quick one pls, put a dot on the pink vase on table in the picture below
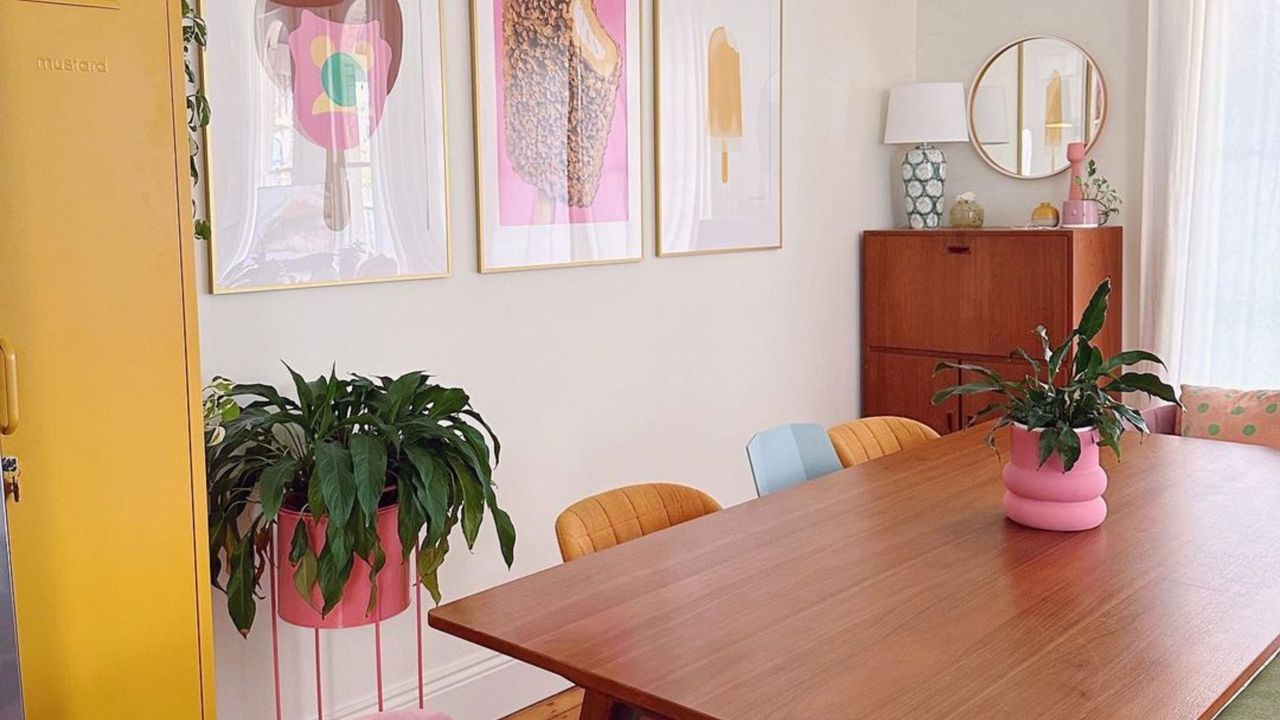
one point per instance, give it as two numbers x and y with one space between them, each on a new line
1048 498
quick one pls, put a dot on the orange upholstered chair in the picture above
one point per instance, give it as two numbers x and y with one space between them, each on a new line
865 440
602 521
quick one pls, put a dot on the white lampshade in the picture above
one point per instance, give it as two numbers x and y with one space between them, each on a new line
926 113
991 115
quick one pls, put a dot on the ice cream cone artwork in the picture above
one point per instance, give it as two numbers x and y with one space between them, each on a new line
339 92
561 73
724 95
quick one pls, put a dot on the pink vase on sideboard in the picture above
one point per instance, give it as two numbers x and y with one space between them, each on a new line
1047 498
393 580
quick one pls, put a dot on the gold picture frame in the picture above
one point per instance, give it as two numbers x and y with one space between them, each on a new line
208 195
662 244
485 80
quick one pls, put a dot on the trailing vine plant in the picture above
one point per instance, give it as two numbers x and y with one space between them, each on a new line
195 37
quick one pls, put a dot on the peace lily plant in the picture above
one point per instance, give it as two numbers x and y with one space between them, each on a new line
341 451
1058 398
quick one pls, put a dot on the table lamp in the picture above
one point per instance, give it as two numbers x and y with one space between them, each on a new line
922 114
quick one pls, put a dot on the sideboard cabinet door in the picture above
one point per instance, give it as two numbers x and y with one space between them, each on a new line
903 385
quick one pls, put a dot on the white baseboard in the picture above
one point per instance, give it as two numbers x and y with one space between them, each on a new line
485 686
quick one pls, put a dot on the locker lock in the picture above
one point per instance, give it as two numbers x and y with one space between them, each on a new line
10 472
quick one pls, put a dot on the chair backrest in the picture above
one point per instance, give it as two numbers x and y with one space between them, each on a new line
614 517
867 439
788 455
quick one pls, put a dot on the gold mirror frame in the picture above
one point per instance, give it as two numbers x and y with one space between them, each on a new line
977 82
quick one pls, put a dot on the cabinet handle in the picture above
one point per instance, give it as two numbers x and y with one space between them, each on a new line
950 422
9 381
959 250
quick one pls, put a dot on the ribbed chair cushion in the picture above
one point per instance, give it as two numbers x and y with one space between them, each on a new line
602 521
865 440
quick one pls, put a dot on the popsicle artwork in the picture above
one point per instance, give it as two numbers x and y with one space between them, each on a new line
724 94
561 72
341 79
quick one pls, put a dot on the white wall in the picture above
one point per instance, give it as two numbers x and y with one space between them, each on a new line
954 39
598 377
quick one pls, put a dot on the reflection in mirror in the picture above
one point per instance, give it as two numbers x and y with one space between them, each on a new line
1033 98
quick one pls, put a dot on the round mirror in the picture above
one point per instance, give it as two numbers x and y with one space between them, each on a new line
1034 97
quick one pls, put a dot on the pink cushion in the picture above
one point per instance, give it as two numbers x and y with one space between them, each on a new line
407 715
1243 416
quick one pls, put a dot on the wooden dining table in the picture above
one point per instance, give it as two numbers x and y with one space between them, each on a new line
898 589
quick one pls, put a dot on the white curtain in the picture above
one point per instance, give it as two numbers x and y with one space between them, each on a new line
1211 226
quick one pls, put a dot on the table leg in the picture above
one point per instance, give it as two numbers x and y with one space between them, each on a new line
597 706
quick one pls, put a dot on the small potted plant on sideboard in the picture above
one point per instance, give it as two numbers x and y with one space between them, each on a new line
1060 415
355 474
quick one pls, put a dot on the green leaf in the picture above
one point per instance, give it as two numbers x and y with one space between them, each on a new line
410 521
506 529
1043 333
990 375
979 416
315 499
369 463
300 544
306 398
1095 314
1145 383
333 571
472 499
1133 417
450 401
272 485
337 481
1048 444
1129 357
430 558
433 491
497 445
241 603
968 389
1035 366
1068 446
1058 356
1088 361
377 560
401 390
305 574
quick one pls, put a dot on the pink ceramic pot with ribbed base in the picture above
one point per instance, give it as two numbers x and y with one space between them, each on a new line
1048 498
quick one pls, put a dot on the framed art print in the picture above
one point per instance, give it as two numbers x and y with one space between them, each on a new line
328 162
718 89
558 132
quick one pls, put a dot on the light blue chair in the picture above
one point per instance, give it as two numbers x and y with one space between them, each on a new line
788 455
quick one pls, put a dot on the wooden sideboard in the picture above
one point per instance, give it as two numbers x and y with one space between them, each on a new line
972 296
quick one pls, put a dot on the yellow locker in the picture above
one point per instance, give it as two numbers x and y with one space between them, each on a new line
97 301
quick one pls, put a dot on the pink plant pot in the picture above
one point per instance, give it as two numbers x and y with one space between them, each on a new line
1048 498
393 580
1080 214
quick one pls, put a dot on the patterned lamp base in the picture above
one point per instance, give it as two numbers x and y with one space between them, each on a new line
924 174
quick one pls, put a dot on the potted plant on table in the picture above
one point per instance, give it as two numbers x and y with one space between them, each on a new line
357 473
1061 414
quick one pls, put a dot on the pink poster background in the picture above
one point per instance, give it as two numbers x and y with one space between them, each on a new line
516 198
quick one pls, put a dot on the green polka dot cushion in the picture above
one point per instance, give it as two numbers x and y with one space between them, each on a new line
1241 416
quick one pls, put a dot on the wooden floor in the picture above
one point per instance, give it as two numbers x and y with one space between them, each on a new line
564 706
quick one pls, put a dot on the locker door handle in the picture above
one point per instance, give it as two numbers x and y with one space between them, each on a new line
9 383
